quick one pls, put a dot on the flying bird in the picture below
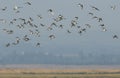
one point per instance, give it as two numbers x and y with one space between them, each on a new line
100 19
31 19
51 11
16 7
88 25
49 28
51 36
95 8
73 23
28 3
17 41
113 7
95 17
39 16
54 24
38 44
42 25
61 26
115 37
80 32
59 18
78 26
76 18
8 31
68 31
83 29
102 25
7 45
26 38
104 29
80 5
3 20
3 9
90 13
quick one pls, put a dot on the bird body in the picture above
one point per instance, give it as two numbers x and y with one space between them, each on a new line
28 3
51 11
80 5
3 9
51 36
115 37
95 8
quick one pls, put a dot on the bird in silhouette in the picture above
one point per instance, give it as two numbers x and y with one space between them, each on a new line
7 45
76 18
28 3
80 32
38 44
59 18
51 11
78 26
39 16
102 25
61 26
17 41
31 32
42 25
88 25
113 7
54 24
80 5
73 23
31 19
35 26
22 19
51 36
16 7
3 9
83 29
95 8
100 19
68 31
90 13
49 28
104 29
95 17
115 37
30 23
8 31
3 20
25 38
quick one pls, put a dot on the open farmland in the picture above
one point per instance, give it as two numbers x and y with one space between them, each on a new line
58 73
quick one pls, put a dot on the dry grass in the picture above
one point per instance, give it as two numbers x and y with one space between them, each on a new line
59 73
17 71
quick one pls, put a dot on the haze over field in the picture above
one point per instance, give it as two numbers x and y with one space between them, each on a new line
74 32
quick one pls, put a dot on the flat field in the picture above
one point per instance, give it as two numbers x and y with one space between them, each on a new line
53 73
58 73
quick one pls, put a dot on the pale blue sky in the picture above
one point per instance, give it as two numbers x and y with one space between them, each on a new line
93 40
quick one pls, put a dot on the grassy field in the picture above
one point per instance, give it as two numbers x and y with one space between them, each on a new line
59 73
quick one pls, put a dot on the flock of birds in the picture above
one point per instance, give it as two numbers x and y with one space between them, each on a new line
34 29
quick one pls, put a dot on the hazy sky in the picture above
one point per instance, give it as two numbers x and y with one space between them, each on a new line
93 40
